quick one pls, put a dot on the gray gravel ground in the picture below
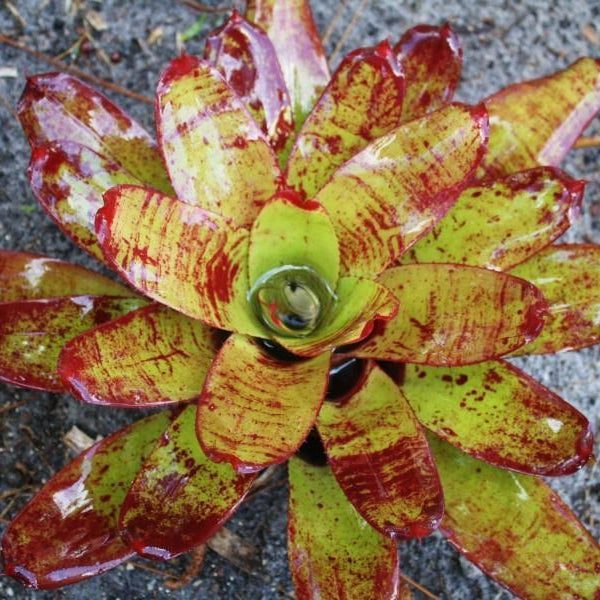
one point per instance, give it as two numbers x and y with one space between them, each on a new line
504 41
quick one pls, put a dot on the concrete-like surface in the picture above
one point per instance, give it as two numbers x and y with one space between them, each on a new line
504 41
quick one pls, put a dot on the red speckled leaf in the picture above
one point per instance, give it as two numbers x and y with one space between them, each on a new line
68 180
33 332
245 56
393 192
498 225
167 363
216 154
516 529
25 276
381 459
181 255
291 28
455 315
69 532
362 102
569 277
431 58
359 303
334 554
537 122
57 106
495 412
256 410
180 497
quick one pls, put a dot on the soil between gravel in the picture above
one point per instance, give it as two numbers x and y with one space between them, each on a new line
503 42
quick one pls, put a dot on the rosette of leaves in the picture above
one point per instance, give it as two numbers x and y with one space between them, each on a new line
371 249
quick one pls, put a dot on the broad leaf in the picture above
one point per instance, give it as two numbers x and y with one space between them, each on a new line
180 497
495 412
57 106
256 410
537 122
333 552
69 179
380 457
362 102
25 276
216 154
291 28
455 315
569 277
501 224
516 529
33 332
431 58
358 303
291 232
181 255
245 56
167 363
69 532
393 192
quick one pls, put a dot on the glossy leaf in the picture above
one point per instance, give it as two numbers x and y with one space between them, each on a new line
26 276
359 303
291 232
256 410
389 195
569 277
380 457
33 332
431 58
333 552
291 28
537 122
57 106
498 225
455 315
69 532
499 414
516 529
362 102
68 180
245 56
181 255
167 363
179 498
216 154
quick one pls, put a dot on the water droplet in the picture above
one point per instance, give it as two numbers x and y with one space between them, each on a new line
291 300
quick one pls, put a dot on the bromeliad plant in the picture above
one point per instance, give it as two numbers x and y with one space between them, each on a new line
373 250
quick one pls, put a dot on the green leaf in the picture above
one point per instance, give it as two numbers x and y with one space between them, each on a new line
537 122
455 315
256 410
569 277
180 255
362 102
516 529
333 552
501 224
68 531
179 498
216 154
495 412
393 192
25 276
381 460
167 363
33 332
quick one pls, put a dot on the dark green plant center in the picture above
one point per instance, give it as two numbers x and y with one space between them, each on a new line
291 300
